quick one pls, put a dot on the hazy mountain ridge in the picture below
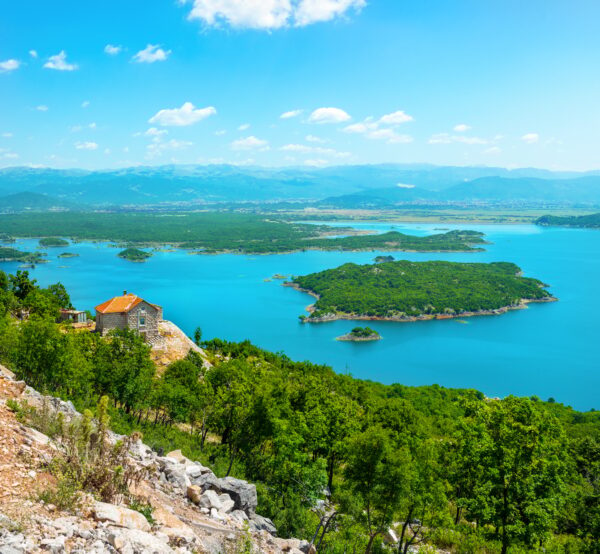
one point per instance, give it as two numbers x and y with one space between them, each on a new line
349 186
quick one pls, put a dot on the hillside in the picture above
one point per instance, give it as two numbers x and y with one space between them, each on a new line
34 202
591 221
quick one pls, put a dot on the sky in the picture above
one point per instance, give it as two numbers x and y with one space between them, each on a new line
300 82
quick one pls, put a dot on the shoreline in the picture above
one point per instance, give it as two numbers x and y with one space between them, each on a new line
349 338
522 305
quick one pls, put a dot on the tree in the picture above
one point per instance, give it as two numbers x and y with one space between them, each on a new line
21 285
198 336
518 451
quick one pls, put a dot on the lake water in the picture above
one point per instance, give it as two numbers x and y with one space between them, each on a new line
550 350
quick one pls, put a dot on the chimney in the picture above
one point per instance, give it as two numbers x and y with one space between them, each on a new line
124 293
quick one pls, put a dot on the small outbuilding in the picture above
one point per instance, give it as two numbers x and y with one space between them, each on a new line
129 312
74 316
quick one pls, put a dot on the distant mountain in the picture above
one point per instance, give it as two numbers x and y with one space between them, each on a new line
582 191
34 202
197 185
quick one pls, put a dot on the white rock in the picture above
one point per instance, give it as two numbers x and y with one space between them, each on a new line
138 542
210 499
121 516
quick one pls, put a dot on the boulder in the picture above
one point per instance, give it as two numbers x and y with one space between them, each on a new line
227 504
241 492
210 499
260 523
196 470
177 476
137 542
389 537
207 481
119 515
194 493
239 515
177 456
180 536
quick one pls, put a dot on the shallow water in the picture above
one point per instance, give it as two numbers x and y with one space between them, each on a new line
550 350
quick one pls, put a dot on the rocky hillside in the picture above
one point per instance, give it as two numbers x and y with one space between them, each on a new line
187 509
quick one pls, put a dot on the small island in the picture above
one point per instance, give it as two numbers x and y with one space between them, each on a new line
360 334
134 255
279 276
14 255
413 291
68 255
383 259
52 242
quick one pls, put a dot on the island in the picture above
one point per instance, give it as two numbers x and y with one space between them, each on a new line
205 233
412 291
51 242
134 255
591 221
14 255
360 334
68 255
381 259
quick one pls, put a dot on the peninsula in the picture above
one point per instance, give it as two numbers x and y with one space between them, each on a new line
14 255
591 221
412 291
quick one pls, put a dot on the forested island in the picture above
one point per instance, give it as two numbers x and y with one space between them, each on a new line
360 334
409 291
53 242
134 255
14 255
68 255
591 221
218 232
445 468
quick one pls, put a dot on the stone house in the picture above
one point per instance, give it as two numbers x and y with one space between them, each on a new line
129 312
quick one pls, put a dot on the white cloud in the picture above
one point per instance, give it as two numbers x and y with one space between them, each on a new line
59 62
181 117
395 118
41 108
313 138
75 128
269 14
87 145
360 128
316 163
244 127
446 138
152 53
220 132
85 103
107 151
92 125
389 135
492 150
9 65
154 132
33 54
290 114
112 50
328 115
530 138
250 143
461 128
7 135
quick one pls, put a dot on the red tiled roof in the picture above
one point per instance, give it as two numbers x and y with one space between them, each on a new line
119 304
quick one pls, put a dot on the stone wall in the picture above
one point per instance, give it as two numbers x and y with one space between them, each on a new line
152 316
107 322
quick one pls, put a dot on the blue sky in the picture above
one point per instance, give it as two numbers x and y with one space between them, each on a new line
487 82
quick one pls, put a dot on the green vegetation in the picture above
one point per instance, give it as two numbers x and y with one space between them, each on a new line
52 242
216 232
360 334
134 255
380 259
447 468
591 221
14 255
406 289
68 255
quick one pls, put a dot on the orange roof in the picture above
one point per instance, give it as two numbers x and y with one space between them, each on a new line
119 304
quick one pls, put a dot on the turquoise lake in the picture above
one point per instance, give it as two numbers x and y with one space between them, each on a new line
548 350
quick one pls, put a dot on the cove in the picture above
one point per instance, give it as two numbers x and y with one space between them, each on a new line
548 350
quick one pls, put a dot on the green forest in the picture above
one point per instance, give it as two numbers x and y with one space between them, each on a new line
214 232
134 255
408 289
590 221
52 242
8 254
336 460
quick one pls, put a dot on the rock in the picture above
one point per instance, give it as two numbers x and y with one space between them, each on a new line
260 523
196 470
390 537
55 545
141 451
135 541
227 504
239 515
194 492
177 477
180 536
177 456
208 481
241 492
121 516
210 499
215 514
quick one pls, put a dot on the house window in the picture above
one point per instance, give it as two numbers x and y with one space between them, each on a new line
142 318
